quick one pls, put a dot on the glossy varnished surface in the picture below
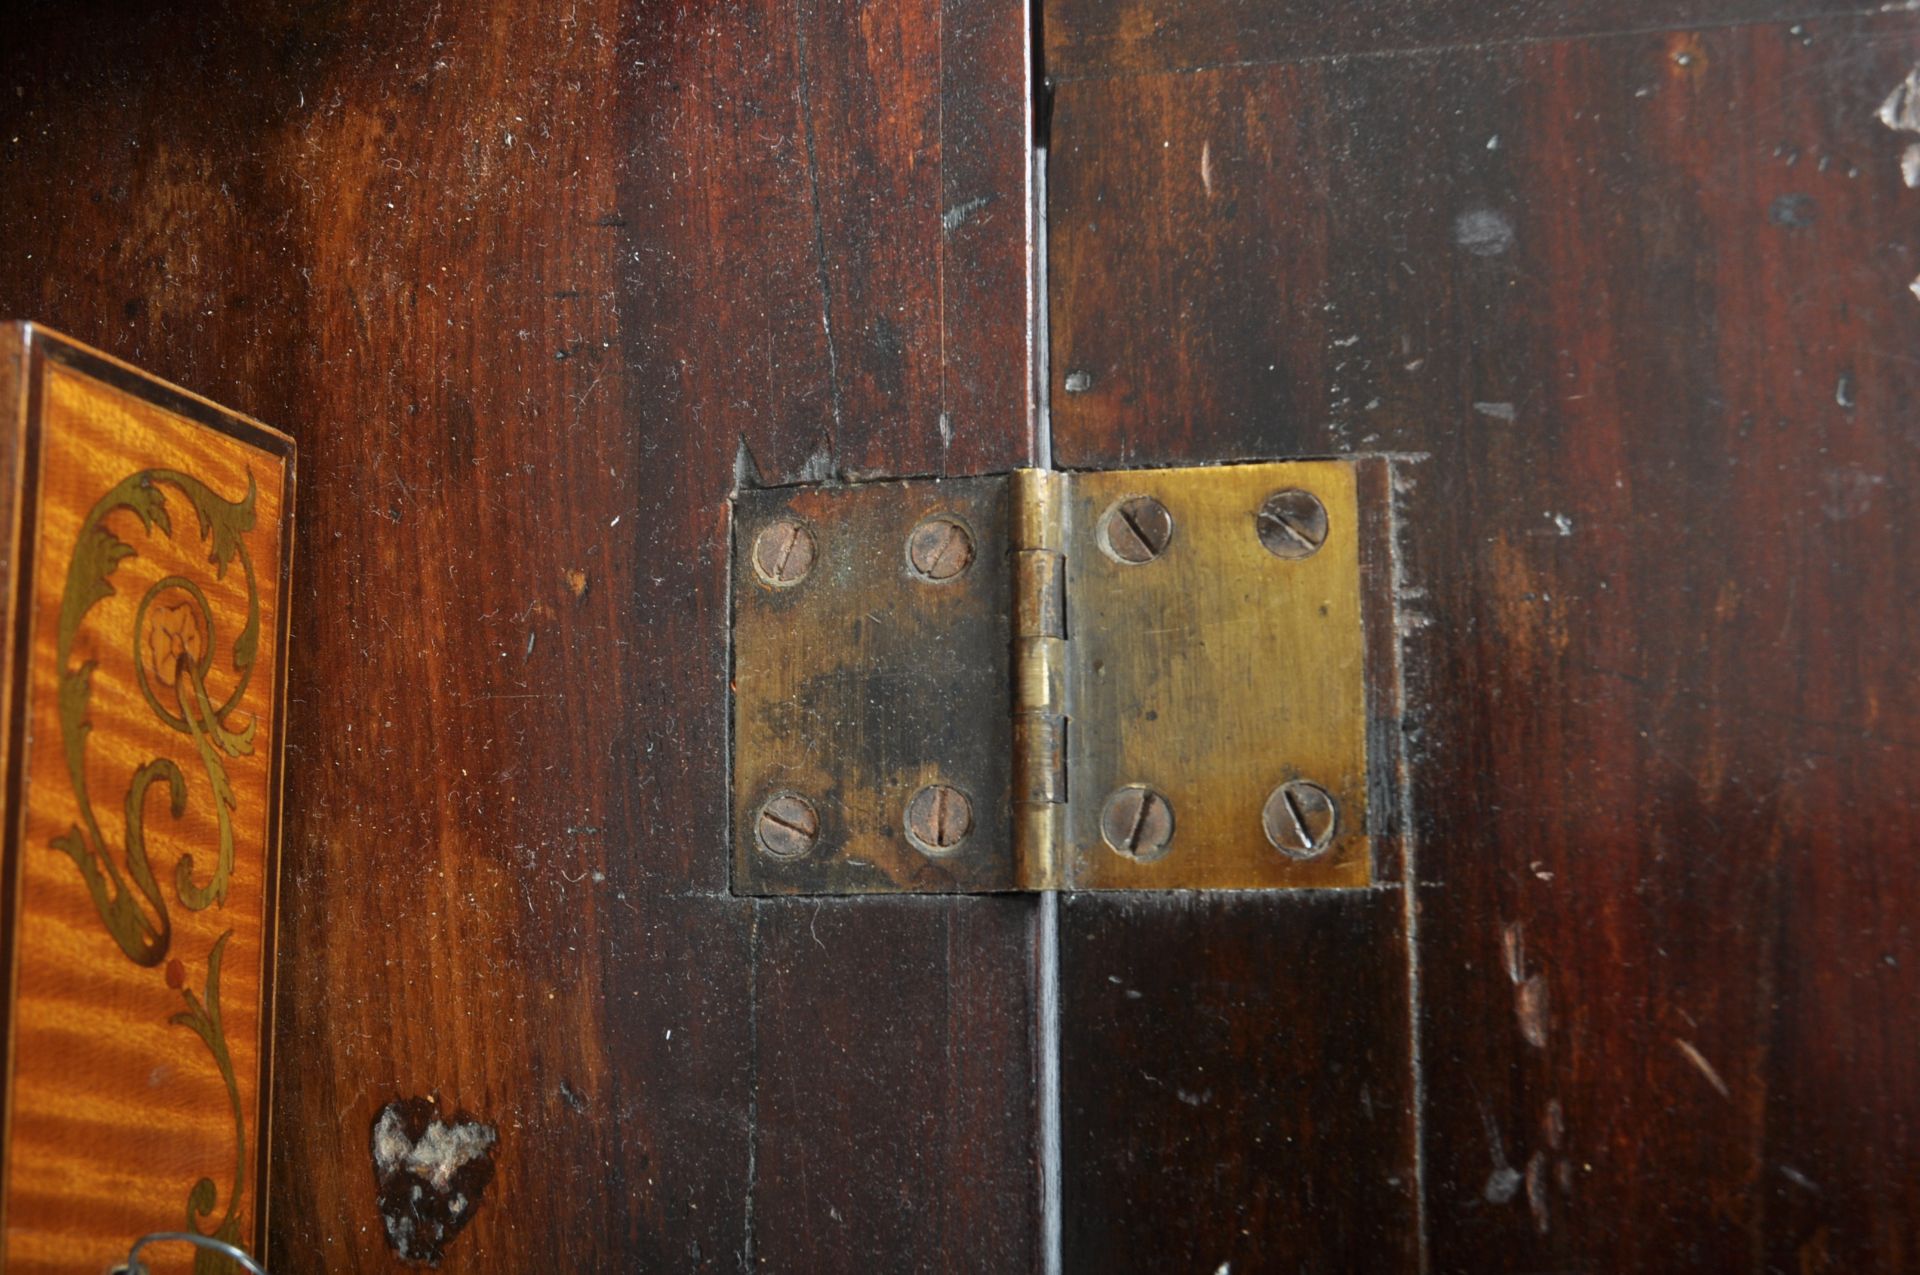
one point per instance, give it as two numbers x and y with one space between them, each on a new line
1235 1083
1636 309
1098 38
142 820
532 284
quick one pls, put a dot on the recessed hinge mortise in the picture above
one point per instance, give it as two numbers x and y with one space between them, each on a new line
1150 679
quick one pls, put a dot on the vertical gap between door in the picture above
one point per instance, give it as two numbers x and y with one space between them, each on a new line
1410 898
1047 941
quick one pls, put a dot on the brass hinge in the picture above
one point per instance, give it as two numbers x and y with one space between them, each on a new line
1146 679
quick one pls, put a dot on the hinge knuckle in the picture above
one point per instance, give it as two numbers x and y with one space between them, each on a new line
1040 677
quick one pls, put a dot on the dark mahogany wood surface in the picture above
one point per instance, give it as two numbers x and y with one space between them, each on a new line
1107 37
1236 1091
1636 310
531 284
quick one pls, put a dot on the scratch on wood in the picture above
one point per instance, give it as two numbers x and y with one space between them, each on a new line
1695 1057
1537 1190
957 216
1513 947
1530 1007
1530 990
1503 1183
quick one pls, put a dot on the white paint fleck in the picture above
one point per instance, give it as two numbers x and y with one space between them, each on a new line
1483 232
1901 109
1079 382
390 1144
1787 1171
1206 165
1498 411
1562 524
444 1148
1502 1185
819 466
1910 166
440 1153
957 216
1850 492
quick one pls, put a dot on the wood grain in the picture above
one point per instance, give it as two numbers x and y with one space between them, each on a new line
1633 308
1235 1083
13 411
1091 38
136 1016
886 1116
532 284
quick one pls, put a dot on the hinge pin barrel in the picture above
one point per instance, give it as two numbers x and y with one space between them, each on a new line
1040 677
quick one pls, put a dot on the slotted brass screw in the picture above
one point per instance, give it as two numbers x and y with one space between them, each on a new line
1137 822
1292 524
783 552
787 826
939 817
1301 819
1137 529
939 549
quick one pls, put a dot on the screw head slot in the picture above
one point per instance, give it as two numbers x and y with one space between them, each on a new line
1292 524
783 553
1301 819
1137 822
939 818
1136 530
939 549
786 827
